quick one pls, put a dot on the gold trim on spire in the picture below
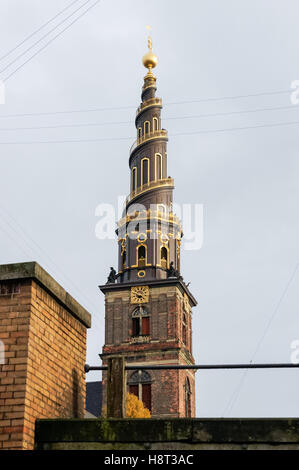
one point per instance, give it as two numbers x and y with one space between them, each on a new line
149 60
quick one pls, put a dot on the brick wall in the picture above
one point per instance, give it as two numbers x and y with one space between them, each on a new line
164 346
45 348
14 332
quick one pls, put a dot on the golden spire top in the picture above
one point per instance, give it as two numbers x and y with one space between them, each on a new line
149 60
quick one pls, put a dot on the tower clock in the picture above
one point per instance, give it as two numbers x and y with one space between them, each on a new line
148 307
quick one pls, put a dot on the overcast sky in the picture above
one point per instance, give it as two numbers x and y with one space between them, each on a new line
247 180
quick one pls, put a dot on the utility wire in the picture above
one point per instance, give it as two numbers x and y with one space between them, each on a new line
51 40
202 100
37 30
43 37
196 116
114 139
110 123
118 108
237 391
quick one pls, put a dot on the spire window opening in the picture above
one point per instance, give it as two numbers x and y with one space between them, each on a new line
147 127
164 257
145 171
161 210
141 255
139 133
158 166
134 179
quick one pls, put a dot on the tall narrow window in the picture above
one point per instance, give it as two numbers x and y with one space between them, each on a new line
158 166
135 326
162 209
134 179
140 322
141 255
147 396
147 127
145 326
155 124
140 386
139 133
164 257
145 170
187 398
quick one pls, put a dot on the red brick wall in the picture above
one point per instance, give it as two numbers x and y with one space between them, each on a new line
165 345
43 375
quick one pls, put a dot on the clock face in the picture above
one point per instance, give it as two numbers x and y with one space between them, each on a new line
139 294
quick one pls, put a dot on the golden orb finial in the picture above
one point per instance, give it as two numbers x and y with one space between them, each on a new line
149 60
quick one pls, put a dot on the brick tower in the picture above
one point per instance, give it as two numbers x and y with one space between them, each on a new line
148 306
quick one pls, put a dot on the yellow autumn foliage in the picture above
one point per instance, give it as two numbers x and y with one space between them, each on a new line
135 408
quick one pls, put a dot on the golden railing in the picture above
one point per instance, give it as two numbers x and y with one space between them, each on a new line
149 102
153 214
152 184
148 136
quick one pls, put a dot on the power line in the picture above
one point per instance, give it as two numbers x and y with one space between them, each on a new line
118 108
237 391
114 139
202 100
43 37
37 30
55 37
196 116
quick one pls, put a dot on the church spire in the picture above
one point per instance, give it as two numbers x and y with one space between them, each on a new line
148 315
149 242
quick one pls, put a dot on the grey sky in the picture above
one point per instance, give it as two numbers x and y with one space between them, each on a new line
247 180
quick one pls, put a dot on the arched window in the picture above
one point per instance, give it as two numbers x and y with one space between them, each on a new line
141 256
139 133
164 257
140 322
158 166
155 124
147 127
187 398
134 179
162 209
140 384
184 330
145 171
